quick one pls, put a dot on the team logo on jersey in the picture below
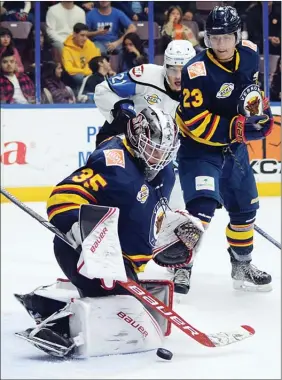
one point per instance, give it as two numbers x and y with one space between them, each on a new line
152 99
157 220
138 71
250 45
143 194
250 101
225 90
197 69
114 157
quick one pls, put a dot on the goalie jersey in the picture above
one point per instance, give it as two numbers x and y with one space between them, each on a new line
143 84
112 177
211 91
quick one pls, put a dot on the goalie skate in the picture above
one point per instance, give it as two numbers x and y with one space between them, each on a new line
181 280
48 341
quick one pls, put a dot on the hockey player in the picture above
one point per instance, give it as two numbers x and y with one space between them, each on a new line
121 96
131 175
221 109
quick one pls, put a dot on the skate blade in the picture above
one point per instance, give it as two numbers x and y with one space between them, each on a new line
52 349
250 287
178 298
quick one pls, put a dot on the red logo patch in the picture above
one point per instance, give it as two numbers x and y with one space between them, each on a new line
138 71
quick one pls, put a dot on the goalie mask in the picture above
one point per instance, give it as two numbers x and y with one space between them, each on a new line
153 135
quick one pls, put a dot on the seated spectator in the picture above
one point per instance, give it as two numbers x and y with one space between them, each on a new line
173 29
16 11
160 11
14 87
190 13
29 52
6 40
106 27
101 69
51 79
60 20
78 50
85 5
135 10
275 88
132 53
254 26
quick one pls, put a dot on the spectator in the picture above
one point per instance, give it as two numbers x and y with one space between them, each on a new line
60 20
275 88
85 5
29 52
51 79
6 40
101 69
78 50
190 13
254 26
14 87
135 10
160 11
16 11
106 24
132 53
174 29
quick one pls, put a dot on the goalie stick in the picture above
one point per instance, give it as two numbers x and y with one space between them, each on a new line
219 339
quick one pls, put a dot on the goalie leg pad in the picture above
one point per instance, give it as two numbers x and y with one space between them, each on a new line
113 325
163 290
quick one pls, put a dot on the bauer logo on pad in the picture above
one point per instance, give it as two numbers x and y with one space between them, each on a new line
114 157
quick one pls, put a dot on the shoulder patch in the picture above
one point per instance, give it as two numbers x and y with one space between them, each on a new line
197 69
114 157
250 45
138 71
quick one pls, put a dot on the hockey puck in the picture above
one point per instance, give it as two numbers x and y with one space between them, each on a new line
164 354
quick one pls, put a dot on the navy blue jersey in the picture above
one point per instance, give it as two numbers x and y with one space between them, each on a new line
111 177
210 94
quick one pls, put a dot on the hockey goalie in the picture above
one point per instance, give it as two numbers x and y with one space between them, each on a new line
115 213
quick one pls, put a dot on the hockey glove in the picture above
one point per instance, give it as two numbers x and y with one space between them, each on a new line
74 235
250 128
124 110
178 239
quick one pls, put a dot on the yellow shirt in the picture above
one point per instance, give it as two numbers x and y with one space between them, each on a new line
75 59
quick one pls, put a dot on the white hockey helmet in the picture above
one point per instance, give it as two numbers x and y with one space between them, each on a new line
153 135
178 53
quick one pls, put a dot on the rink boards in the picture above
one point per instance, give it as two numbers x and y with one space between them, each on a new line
42 145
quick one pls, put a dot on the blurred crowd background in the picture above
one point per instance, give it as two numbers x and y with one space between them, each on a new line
81 43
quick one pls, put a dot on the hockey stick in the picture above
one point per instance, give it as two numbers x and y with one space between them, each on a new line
210 340
267 237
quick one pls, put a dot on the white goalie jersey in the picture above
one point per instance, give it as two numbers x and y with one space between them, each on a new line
143 84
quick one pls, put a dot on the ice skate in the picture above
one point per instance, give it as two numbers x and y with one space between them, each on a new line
247 277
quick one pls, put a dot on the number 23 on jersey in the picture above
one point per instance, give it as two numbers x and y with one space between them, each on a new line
193 98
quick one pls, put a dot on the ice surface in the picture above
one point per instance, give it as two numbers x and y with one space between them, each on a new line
211 306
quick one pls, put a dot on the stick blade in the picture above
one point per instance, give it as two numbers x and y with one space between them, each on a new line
225 338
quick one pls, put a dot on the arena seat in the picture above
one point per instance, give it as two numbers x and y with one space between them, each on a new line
20 30
193 26
143 31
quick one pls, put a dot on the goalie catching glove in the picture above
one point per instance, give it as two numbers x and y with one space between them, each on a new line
178 239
